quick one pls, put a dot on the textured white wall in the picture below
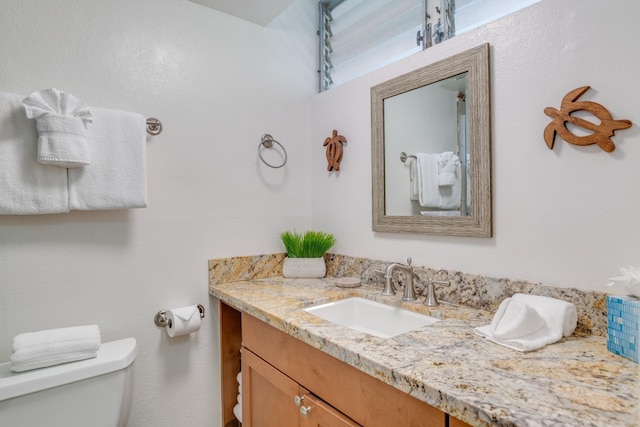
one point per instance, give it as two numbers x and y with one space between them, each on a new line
217 83
566 217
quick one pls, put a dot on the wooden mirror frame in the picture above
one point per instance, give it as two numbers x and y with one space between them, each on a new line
479 223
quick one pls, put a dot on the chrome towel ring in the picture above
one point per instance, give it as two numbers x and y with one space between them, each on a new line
267 141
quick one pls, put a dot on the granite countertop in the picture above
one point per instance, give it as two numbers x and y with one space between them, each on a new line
575 382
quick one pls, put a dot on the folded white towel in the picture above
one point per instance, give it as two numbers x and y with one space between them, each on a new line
237 411
427 167
28 187
414 188
560 319
448 169
35 350
116 177
432 195
61 120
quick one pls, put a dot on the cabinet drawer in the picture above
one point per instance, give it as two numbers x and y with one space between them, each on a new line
365 399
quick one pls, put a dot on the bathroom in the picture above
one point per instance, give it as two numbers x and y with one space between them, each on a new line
562 217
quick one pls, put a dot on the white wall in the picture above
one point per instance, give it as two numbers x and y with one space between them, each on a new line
566 217
217 83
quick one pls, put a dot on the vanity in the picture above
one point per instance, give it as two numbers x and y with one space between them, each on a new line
311 371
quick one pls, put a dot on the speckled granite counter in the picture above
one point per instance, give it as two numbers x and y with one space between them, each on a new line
575 382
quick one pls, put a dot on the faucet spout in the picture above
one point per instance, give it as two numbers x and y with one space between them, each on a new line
409 289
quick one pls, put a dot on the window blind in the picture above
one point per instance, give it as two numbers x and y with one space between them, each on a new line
358 36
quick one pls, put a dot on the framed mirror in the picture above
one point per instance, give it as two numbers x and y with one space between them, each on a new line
431 149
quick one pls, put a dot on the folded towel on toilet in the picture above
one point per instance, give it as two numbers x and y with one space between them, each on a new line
61 121
33 350
529 322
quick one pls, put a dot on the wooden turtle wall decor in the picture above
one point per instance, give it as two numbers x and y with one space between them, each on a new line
334 145
602 132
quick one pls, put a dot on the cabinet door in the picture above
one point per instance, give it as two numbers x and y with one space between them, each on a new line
316 413
454 422
268 396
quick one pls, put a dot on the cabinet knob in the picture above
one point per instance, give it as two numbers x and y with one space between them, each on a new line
298 400
305 410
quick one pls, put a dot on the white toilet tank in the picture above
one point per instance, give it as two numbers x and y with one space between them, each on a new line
93 392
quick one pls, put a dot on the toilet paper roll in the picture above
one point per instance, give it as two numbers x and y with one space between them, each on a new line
183 321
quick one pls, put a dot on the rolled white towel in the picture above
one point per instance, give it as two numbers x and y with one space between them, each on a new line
35 350
515 319
561 316
61 121
560 319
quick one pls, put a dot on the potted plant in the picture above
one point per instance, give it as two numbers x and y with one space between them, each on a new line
305 253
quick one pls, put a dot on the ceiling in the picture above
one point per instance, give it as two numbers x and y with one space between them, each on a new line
260 12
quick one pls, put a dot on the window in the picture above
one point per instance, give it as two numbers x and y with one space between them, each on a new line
359 36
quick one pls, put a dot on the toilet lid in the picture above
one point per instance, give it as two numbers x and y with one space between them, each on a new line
112 356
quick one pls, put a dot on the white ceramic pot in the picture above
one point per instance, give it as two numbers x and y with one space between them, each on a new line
311 268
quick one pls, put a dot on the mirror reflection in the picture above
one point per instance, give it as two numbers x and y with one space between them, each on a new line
426 159
431 155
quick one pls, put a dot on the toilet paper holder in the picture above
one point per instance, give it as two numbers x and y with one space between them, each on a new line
161 317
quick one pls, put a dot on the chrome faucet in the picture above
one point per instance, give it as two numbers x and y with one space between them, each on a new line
409 289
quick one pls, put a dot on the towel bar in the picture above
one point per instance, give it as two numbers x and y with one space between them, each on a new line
154 126
404 156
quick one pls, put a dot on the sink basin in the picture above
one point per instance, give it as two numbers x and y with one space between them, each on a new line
371 317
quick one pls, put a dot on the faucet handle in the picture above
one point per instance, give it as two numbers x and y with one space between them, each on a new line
431 300
409 261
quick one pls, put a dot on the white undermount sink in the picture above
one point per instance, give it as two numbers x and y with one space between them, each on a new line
371 317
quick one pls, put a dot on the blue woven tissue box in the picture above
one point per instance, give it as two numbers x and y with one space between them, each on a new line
623 316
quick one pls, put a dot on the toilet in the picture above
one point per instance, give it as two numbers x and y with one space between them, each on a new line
94 392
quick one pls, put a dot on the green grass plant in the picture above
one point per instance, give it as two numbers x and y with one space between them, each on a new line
312 244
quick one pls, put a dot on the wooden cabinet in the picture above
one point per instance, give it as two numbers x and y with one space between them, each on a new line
277 367
454 422
361 397
272 399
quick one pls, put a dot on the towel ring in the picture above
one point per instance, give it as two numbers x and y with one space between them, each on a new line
267 142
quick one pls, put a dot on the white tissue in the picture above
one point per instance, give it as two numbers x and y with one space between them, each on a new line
183 321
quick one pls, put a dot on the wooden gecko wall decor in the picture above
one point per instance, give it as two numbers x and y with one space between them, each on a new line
602 132
334 145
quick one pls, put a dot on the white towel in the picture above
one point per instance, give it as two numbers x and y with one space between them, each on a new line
61 121
26 186
414 188
116 177
427 166
35 350
432 195
515 319
560 319
448 169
